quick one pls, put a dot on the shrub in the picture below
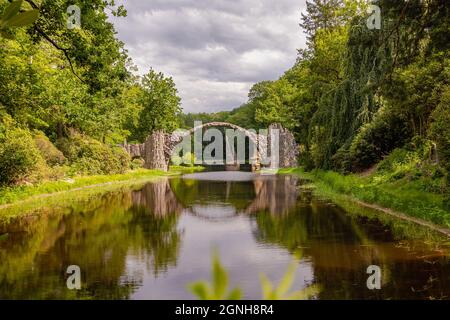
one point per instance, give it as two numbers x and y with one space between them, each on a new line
187 160
123 160
414 163
20 160
137 163
378 138
305 159
391 162
341 161
440 130
88 156
176 160
317 149
440 133
49 152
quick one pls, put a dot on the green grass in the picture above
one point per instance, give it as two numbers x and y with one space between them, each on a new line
9 195
66 200
407 197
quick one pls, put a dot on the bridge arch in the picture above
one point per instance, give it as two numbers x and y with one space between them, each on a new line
159 146
253 136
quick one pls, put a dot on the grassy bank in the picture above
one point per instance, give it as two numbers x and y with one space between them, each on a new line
10 195
401 196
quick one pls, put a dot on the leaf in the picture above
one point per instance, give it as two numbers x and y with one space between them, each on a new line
219 288
200 289
11 10
236 294
220 278
287 281
23 19
267 288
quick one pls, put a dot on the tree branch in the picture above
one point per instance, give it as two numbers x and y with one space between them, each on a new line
53 42
64 50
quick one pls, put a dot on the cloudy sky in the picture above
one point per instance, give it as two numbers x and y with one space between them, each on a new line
215 50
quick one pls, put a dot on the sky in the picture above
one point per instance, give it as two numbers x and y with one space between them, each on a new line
215 50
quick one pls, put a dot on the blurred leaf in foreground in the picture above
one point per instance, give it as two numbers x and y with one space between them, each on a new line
12 18
218 290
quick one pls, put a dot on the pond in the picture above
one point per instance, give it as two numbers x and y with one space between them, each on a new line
150 241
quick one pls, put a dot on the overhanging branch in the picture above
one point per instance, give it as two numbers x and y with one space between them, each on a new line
53 42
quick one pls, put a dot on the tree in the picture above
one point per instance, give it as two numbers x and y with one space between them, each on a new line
326 15
76 83
161 105
273 102
92 52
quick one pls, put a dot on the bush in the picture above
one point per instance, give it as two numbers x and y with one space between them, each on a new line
123 160
137 163
440 129
176 160
49 152
20 159
88 156
393 161
305 159
440 133
341 161
378 138
414 163
187 160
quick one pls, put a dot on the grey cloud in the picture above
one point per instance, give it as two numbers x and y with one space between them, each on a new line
214 50
237 7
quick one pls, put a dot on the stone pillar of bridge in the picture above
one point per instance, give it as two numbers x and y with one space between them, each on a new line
154 156
287 147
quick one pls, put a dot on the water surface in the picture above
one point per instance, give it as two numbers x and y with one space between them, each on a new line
150 242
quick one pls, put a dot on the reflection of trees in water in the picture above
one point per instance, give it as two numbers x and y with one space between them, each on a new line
276 194
99 236
157 198
340 248
140 227
157 241
303 224
154 221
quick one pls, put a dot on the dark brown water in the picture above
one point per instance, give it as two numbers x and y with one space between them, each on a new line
150 242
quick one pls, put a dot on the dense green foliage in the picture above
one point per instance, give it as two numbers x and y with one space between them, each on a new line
161 103
355 98
48 151
19 157
357 94
91 157
69 95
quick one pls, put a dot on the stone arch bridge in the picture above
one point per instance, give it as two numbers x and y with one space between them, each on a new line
159 146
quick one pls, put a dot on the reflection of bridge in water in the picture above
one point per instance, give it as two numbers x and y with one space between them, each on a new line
123 238
273 194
